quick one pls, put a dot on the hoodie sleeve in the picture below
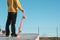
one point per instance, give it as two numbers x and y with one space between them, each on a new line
18 4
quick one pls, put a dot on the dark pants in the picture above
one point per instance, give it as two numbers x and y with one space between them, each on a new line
11 19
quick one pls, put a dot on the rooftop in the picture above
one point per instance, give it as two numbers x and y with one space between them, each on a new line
22 37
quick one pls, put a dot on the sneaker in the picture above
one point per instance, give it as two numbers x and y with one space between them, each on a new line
14 35
7 35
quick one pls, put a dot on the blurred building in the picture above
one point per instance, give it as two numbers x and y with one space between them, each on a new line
2 31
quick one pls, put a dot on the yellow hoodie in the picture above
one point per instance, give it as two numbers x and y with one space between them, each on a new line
13 5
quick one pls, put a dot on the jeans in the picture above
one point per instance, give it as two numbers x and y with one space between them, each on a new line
11 20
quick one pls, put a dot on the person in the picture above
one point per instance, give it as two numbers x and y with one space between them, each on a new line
13 6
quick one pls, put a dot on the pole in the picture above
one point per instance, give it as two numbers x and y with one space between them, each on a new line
57 32
38 30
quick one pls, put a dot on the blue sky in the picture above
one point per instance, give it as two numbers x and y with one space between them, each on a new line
44 14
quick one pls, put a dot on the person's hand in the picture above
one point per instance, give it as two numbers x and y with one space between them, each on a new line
22 11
